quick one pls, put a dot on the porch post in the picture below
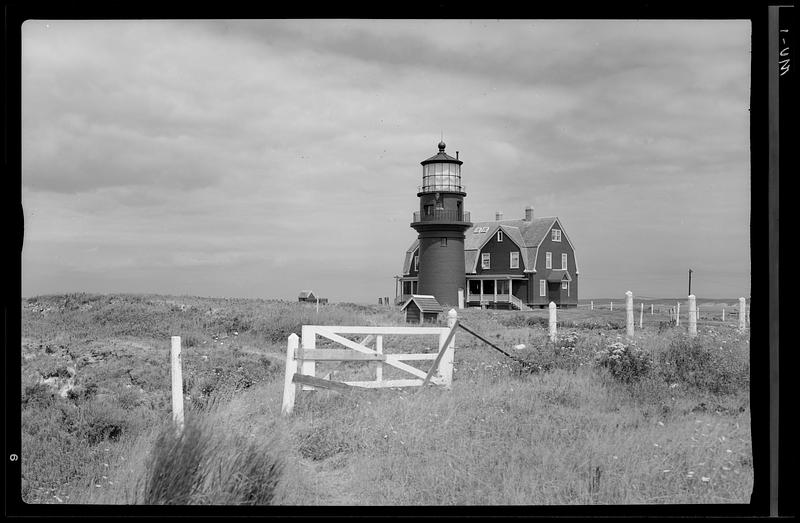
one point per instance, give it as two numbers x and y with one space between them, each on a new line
481 291
495 291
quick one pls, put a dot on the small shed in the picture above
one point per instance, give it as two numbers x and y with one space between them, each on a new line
307 296
420 308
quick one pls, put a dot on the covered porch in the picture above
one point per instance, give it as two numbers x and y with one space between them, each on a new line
501 291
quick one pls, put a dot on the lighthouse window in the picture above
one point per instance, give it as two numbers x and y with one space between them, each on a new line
486 260
443 242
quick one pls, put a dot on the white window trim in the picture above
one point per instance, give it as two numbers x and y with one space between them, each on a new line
564 258
416 263
548 260
542 288
564 285
499 236
555 237
511 260
486 260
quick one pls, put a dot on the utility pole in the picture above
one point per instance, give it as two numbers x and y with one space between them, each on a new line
690 281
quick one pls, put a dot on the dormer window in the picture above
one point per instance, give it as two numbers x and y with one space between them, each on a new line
499 236
556 235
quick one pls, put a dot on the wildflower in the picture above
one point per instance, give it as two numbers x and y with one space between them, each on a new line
666 470
705 479
661 423
725 468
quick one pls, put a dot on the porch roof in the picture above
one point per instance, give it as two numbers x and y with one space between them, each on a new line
558 276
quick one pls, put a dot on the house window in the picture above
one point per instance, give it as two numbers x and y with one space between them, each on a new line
443 242
548 260
416 263
564 261
556 235
564 285
486 260
499 236
542 288
515 260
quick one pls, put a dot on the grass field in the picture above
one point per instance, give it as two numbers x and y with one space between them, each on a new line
595 418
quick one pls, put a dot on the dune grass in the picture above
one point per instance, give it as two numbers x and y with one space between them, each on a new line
564 429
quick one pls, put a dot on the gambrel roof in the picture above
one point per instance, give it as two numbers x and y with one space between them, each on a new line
528 235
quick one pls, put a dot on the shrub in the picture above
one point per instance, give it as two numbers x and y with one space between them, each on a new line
203 466
694 361
626 363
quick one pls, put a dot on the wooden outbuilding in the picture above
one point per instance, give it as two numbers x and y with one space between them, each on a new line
310 297
420 308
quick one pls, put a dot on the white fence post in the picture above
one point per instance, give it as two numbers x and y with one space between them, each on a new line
692 315
552 321
678 314
612 305
742 308
651 309
308 340
289 387
177 383
641 315
723 314
591 305
629 313
379 350
446 365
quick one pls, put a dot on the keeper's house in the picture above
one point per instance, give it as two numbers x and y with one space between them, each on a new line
515 264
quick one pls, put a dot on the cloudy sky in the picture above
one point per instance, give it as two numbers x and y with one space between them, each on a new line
257 158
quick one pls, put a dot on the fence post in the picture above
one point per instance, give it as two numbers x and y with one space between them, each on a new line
629 313
177 383
723 314
678 314
692 315
612 306
446 365
641 315
289 388
379 350
591 305
552 321
651 309
308 340
742 308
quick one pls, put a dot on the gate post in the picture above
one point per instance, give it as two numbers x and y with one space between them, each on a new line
692 316
291 367
308 341
446 365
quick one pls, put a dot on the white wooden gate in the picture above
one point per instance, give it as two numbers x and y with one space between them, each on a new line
302 355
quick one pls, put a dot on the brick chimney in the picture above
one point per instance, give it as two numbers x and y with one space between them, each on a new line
498 215
528 213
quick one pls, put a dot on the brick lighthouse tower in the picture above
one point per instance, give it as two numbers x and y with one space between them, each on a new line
441 222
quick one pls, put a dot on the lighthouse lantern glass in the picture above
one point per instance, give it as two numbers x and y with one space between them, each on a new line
441 177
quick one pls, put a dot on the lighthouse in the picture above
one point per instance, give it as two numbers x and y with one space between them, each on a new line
440 223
